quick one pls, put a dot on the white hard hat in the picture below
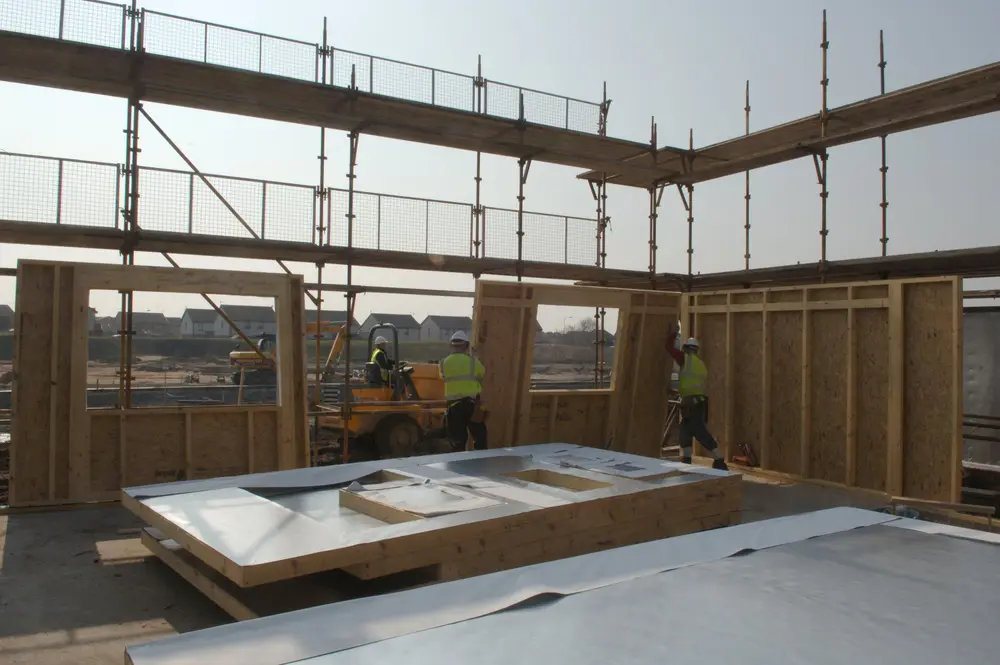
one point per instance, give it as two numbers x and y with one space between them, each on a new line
691 343
381 340
460 338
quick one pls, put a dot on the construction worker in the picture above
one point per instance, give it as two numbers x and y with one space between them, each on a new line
694 400
381 358
463 374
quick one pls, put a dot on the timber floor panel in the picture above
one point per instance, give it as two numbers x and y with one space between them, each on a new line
74 587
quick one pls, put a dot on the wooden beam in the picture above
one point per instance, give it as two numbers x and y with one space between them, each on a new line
957 390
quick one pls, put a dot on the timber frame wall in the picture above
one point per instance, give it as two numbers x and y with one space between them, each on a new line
855 384
63 452
626 417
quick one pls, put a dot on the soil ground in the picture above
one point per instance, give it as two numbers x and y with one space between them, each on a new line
76 586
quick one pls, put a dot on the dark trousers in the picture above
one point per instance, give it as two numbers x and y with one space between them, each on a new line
460 425
694 424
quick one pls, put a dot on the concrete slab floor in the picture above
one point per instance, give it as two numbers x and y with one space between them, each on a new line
76 586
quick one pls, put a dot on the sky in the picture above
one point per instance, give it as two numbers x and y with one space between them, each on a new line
684 63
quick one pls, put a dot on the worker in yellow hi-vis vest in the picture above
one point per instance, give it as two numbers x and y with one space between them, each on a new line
693 389
463 374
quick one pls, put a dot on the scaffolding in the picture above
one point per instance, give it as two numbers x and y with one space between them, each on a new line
170 59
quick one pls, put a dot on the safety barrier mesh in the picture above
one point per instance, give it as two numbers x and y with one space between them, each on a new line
179 37
58 191
63 191
108 24
89 21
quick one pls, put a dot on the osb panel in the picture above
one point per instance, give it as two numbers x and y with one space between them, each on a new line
539 419
265 441
154 448
219 443
830 294
748 340
928 419
29 472
497 347
626 362
648 402
747 298
785 439
872 291
582 419
792 295
828 344
872 391
105 451
712 337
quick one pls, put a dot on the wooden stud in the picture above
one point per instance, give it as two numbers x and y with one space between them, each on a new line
250 441
806 442
53 383
728 449
188 461
957 389
554 406
765 360
851 454
894 438
122 449
79 420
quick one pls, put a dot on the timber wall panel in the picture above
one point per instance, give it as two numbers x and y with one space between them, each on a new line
710 330
872 358
105 451
747 397
927 405
860 382
564 416
828 392
219 443
153 448
785 399
629 416
63 452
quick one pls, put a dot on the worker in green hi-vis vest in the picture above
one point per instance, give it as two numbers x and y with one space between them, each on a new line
693 389
463 374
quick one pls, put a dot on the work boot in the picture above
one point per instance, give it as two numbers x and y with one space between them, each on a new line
685 460
720 464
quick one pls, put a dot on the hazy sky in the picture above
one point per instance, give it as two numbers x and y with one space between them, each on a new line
684 62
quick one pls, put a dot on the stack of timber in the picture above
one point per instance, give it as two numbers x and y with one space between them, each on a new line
445 516
849 384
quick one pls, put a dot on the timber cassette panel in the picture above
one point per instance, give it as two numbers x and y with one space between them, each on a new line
854 384
448 516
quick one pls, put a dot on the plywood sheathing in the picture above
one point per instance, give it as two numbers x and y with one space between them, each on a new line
63 452
861 382
628 416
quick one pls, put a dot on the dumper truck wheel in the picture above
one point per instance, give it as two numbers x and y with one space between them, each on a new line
397 436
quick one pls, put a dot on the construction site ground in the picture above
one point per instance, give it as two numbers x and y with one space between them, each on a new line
76 586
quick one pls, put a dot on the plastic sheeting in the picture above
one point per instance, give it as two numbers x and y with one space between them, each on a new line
328 629
873 595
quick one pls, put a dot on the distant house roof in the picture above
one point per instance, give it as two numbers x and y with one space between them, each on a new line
451 322
401 321
200 315
6 310
249 312
145 318
327 317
